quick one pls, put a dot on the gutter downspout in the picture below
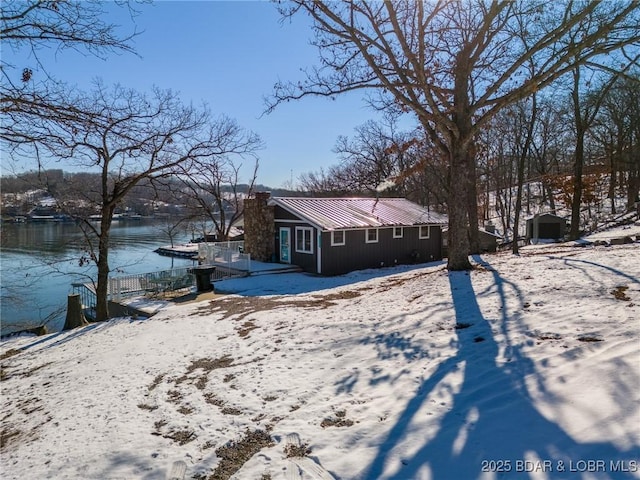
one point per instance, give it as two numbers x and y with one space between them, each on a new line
319 256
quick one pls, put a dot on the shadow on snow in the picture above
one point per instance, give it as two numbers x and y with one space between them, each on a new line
301 283
492 417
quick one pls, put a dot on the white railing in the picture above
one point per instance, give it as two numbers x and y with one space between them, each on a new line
226 254
227 257
155 282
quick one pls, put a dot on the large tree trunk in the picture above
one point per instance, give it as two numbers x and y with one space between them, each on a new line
463 172
458 239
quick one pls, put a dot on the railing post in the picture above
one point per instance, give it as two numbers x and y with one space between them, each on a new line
117 288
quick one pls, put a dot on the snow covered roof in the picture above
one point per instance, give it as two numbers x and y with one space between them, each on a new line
546 215
358 212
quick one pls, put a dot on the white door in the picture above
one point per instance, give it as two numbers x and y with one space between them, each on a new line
285 244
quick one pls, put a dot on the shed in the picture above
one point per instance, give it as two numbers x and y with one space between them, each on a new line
488 238
546 226
332 236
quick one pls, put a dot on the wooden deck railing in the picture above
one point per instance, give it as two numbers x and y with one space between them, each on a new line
229 263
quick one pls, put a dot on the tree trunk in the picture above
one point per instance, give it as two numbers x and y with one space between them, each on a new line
75 316
612 181
102 287
458 239
576 201
462 165
518 207
522 162
552 199
633 191
472 204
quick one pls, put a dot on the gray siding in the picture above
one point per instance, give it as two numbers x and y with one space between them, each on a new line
308 262
356 254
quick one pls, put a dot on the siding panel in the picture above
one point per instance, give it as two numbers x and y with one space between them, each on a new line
356 254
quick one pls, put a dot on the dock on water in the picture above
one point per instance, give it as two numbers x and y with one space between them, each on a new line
185 250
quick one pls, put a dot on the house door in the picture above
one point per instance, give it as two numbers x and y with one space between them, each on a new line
285 244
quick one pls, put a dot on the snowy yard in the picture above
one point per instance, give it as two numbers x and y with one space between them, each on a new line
525 367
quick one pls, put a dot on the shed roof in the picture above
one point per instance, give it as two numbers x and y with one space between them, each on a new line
357 212
546 216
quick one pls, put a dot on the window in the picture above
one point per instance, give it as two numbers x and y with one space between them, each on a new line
397 232
337 238
425 231
304 242
371 235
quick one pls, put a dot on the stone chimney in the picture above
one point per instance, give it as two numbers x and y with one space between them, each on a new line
259 227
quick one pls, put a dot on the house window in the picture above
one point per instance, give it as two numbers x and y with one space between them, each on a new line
425 231
397 232
304 243
372 235
337 238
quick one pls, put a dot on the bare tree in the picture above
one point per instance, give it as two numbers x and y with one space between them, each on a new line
454 65
31 27
61 24
369 159
617 129
382 160
524 140
124 135
213 183
550 146
328 183
586 104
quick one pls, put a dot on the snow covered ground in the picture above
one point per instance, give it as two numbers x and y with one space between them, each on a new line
525 367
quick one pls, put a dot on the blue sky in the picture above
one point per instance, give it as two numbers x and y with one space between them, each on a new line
228 54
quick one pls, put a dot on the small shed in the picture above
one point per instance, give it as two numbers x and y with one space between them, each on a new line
488 238
547 227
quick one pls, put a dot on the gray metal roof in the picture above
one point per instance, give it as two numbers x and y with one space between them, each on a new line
345 213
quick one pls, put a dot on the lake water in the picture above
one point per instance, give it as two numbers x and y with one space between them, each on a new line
40 261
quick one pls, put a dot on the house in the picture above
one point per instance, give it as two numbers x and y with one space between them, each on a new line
331 236
546 227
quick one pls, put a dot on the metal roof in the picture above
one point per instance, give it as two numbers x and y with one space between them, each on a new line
345 213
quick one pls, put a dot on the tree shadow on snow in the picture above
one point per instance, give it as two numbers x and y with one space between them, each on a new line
302 283
492 417
579 263
59 338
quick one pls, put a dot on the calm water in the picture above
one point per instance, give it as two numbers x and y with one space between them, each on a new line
39 261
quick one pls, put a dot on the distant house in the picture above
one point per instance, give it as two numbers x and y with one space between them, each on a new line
331 236
546 227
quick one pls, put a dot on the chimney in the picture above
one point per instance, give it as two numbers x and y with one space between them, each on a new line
259 227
